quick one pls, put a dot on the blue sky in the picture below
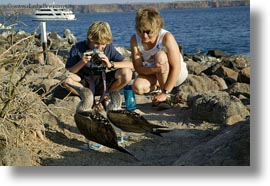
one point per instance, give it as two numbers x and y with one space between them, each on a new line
77 2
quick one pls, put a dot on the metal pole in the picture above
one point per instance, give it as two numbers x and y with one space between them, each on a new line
44 42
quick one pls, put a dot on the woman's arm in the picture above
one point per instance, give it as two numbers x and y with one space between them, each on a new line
174 57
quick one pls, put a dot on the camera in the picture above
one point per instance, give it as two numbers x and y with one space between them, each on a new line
95 56
96 59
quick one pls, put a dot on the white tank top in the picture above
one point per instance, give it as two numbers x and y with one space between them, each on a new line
148 55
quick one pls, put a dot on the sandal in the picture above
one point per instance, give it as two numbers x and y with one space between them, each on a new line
163 106
156 90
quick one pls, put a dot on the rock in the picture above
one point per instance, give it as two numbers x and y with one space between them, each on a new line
231 147
70 37
3 142
238 89
216 107
52 59
13 156
219 82
216 53
219 69
231 120
195 68
196 84
244 75
236 62
225 72
198 58
124 52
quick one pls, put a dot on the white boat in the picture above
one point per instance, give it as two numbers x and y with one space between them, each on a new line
53 13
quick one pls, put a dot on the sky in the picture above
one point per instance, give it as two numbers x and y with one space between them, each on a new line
17 2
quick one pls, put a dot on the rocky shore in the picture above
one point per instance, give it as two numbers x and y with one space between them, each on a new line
210 117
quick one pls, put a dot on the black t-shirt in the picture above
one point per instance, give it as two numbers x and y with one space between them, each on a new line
76 53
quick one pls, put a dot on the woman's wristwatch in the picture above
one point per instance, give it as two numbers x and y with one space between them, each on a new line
166 91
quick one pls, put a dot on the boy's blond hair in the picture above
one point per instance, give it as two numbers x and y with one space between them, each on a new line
148 19
99 32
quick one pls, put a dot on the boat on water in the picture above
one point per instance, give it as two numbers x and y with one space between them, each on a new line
53 13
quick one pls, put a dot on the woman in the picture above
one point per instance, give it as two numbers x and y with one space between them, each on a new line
156 57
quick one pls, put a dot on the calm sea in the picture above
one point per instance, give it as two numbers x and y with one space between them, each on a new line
227 28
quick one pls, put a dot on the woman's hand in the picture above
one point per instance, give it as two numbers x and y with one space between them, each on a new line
160 97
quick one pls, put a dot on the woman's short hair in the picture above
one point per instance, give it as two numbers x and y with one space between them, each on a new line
99 32
148 19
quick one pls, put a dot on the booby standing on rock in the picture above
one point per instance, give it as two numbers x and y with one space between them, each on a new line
93 125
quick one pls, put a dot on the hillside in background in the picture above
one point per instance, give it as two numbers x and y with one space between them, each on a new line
29 9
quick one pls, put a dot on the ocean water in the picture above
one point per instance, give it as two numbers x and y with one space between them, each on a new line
227 29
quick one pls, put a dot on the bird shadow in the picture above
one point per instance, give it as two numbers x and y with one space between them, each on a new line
149 150
60 138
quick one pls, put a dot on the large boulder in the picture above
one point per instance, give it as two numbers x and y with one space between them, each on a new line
231 147
217 107
198 84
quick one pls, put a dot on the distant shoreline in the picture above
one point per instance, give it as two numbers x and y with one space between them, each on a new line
10 9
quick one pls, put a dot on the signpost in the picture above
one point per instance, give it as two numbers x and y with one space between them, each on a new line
44 42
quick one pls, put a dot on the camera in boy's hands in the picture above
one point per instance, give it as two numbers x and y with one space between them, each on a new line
96 59
95 56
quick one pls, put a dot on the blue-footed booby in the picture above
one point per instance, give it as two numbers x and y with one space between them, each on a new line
93 125
130 121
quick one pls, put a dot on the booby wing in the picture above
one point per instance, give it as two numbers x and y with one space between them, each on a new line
97 128
130 121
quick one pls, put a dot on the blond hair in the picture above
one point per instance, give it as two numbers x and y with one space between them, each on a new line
99 32
148 19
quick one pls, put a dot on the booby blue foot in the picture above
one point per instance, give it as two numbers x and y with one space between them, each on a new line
123 139
92 147
96 146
